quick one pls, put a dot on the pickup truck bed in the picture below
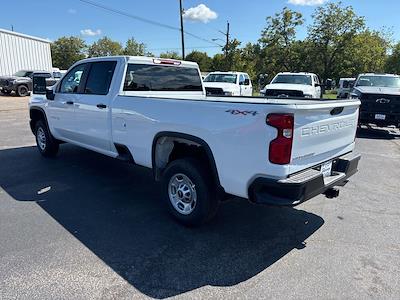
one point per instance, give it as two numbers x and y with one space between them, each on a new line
251 147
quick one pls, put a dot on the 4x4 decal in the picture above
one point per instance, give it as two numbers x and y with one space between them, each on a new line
242 112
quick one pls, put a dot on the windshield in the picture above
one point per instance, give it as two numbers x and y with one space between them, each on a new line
23 74
347 83
229 78
379 81
293 79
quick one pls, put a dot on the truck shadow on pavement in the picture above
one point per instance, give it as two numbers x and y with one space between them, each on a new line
115 209
376 133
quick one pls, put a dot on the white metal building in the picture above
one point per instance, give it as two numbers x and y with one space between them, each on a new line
23 52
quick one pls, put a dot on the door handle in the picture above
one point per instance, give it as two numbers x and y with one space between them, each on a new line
101 106
69 102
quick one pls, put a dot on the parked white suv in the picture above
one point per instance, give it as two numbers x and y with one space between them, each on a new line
228 84
287 84
154 113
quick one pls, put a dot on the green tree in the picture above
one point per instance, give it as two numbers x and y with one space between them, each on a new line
171 55
393 60
201 58
279 36
233 59
218 62
251 60
67 50
105 47
333 30
367 53
134 48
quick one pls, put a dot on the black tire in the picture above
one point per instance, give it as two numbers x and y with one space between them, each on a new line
206 204
45 142
22 90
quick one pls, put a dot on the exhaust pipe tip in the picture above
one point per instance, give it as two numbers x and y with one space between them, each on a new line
331 193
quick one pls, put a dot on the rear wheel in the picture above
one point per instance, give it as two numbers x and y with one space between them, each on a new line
46 143
190 195
22 90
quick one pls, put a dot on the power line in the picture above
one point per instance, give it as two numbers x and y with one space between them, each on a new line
199 47
148 21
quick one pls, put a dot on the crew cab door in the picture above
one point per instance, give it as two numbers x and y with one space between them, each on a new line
248 85
245 85
317 85
61 110
92 108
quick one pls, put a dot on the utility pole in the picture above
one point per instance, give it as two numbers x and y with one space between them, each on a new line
226 34
182 32
227 39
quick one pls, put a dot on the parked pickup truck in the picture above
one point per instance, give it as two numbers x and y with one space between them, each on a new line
155 113
380 99
286 85
228 84
21 82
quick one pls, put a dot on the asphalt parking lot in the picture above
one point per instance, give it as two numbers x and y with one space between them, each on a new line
84 226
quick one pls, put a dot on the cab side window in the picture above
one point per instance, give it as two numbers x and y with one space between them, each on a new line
248 78
241 79
99 78
72 80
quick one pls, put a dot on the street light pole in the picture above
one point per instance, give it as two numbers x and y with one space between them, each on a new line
182 32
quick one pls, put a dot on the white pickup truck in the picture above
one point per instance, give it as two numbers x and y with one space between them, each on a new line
155 113
228 84
286 85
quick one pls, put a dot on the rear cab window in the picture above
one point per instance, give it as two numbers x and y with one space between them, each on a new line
160 78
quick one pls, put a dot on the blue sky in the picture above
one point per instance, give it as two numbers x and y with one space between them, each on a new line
52 19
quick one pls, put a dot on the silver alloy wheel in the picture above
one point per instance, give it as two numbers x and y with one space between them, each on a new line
182 194
41 138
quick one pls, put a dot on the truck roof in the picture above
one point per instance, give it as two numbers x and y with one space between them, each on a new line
227 72
144 60
378 74
295 73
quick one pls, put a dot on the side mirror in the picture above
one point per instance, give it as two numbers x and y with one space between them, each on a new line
247 81
39 84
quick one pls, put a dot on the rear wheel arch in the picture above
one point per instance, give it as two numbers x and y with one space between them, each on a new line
180 138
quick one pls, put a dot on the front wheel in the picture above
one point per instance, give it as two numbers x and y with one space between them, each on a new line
22 91
190 195
45 142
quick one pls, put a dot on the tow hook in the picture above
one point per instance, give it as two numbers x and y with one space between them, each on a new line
331 193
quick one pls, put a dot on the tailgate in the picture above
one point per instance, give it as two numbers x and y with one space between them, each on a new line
322 132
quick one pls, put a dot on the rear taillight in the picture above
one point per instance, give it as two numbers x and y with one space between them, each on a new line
280 149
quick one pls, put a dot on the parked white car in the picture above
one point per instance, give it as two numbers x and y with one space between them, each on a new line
287 84
154 113
345 87
228 84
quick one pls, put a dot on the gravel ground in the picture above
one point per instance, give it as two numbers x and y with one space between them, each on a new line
84 226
